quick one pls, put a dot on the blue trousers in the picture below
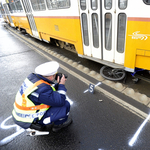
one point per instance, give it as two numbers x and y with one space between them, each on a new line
58 115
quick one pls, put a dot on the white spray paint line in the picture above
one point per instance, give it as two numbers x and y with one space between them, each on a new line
95 86
69 100
11 137
86 91
3 126
134 138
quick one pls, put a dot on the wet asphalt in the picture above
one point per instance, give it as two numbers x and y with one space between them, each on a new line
98 122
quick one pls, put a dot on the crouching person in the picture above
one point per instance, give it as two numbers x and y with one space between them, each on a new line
38 102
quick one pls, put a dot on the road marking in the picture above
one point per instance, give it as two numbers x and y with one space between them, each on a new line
95 86
69 100
133 140
12 136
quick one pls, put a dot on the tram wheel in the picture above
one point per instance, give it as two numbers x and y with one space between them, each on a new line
113 74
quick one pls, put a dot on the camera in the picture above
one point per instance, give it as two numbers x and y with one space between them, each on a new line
60 76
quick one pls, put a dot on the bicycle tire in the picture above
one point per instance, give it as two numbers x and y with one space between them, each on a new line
112 77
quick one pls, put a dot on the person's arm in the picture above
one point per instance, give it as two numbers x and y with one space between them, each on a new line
47 96
53 98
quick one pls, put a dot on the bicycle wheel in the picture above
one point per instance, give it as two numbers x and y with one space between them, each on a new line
112 74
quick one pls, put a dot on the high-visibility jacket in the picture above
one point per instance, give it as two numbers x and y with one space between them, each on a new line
24 109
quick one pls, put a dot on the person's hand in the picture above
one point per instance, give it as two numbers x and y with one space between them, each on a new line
62 81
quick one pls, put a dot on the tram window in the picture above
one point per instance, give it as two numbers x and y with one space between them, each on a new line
122 4
108 4
121 32
1 9
108 31
18 5
12 7
95 30
38 5
34 5
41 5
58 4
147 2
94 4
5 8
83 4
85 29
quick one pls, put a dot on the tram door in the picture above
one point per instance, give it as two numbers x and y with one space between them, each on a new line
103 29
8 15
28 10
114 29
91 27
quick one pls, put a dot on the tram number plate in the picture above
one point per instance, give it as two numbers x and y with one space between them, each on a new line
91 88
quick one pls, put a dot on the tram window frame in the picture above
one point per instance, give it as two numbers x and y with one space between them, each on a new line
18 8
12 6
4 6
106 5
147 3
50 7
38 3
85 24
110 37
119 30
2 10
95 30
96 5
82 3
119 2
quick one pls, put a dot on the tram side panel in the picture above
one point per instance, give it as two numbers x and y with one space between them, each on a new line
137 51
18 15
21 22
60 24
4 18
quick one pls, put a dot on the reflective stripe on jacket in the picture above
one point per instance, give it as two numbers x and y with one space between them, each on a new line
24 109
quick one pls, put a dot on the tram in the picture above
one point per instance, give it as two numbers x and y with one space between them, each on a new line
115 33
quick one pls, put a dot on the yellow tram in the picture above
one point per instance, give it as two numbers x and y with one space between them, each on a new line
115 33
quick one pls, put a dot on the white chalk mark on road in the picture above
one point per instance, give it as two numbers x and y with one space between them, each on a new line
134 138
6 127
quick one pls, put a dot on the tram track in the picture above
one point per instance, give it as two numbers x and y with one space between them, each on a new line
143 78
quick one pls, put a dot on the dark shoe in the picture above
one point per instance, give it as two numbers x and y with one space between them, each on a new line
56 128
48 127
